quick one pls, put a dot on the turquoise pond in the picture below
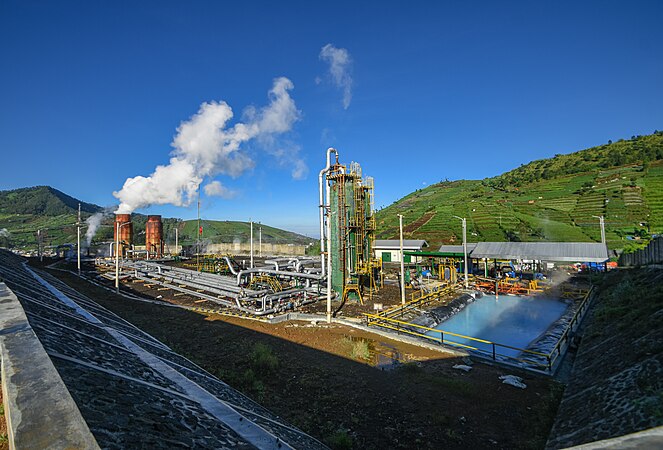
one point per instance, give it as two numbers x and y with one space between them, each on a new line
510 320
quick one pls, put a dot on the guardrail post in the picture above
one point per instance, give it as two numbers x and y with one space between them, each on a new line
441 337
494 351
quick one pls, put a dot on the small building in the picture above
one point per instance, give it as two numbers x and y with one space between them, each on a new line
389 250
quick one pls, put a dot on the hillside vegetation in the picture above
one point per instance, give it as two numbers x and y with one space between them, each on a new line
26 210
546 200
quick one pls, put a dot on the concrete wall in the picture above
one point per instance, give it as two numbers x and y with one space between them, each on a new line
39 410
244 248
652 254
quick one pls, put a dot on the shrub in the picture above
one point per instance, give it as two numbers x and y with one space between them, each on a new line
262 359
360 350
340 440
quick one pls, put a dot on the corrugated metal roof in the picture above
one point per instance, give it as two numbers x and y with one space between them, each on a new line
545 251
457 248
416 244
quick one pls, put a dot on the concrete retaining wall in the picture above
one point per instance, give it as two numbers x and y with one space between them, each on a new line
39 410
652 254
244 248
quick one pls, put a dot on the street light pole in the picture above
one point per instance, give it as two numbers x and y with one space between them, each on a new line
199 233
39 253
464 221
400 224
602 224
78 243
118 226
176 240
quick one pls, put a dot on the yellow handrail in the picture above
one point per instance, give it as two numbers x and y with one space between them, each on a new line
422 327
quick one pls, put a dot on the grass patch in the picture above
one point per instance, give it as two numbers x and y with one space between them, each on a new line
340 440
358 349
263 359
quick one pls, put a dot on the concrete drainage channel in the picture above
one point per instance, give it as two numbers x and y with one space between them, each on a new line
47 415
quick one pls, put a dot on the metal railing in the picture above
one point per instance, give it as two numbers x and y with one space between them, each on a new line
484 347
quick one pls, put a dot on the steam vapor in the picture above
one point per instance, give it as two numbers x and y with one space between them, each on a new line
216 189
5 233
340 66
93 223
205 147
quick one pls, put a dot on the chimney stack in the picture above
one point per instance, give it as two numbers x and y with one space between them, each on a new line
126 232
154 237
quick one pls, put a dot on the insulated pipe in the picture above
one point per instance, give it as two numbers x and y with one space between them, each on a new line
322 207
329 267
230 266
284 273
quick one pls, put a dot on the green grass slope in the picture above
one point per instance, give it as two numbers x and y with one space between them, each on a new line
545 200
233 231
24 211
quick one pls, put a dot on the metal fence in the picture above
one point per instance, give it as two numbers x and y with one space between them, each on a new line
485 348
652 254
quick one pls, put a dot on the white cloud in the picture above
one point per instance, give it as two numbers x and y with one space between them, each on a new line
204 147
340 67
216 189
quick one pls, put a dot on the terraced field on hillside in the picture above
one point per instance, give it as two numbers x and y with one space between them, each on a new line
561 209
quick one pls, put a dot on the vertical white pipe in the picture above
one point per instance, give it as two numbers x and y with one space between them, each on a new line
400 224
176 240
251 243
329 265
330 150
78 238
260 241
465 248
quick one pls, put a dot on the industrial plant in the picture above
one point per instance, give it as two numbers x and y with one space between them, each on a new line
346 271
517 305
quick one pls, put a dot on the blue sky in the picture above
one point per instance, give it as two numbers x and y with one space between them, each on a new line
92 93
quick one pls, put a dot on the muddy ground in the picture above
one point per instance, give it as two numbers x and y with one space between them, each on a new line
340 384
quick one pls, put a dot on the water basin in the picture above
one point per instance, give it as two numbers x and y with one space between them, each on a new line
514 321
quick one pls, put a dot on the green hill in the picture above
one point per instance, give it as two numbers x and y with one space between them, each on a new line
24 211
546 200
231 231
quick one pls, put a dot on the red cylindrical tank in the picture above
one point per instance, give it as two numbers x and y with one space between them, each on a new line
154 236
126 229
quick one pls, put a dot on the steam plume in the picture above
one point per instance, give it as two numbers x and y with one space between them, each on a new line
340 65
93 223
204 147
216 189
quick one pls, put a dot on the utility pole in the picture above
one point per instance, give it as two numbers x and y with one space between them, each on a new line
464 221
602 224
41 257
78 243
200 232
400 223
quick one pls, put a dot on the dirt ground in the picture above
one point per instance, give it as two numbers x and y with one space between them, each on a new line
4 443
342 385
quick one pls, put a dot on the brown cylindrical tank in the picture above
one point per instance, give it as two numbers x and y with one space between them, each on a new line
154 237
126 229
